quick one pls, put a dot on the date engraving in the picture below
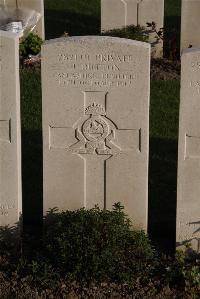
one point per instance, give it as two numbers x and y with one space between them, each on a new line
5 208
97 70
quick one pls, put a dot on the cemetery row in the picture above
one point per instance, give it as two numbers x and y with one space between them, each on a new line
96 127
115 14
122 13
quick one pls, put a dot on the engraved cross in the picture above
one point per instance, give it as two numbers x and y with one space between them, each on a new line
98 139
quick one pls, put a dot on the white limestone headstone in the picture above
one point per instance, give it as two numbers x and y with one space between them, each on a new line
122 13
190 24
10 134
188 197
37 5
96 124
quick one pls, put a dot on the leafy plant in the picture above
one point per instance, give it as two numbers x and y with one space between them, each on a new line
159 32
30 45
96 245
185 270
131 32
87 248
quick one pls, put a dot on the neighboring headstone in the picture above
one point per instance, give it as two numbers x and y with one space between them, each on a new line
96 124
10 133
188 197
122 13
190 24
37 5
118 14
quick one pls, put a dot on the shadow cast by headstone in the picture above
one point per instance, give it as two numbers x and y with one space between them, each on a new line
162 192
58 22
162 189
32 177
172 25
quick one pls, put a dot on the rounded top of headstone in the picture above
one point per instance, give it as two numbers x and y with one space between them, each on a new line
101 39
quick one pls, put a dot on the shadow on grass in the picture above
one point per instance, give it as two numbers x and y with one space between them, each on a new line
58 22
32 177
172 25
162 192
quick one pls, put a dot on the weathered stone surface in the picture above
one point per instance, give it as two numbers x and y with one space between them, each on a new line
96 124
152 11
188 209
190 24
120 13
37 5
10 135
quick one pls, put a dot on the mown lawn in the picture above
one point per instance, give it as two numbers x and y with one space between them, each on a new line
77 17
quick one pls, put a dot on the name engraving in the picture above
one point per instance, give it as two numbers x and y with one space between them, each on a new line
97 70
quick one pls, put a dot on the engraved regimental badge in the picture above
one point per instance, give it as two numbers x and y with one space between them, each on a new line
96 133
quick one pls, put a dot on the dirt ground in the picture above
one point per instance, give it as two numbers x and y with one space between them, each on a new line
164 69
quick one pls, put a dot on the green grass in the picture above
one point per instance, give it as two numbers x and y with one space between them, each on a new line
31 111
164 109
90 7
172 21
31 100
77 17
164 112
172 7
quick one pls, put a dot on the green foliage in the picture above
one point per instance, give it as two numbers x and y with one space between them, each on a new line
131 32
38 273
185 271
83 249
30 45
96 245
